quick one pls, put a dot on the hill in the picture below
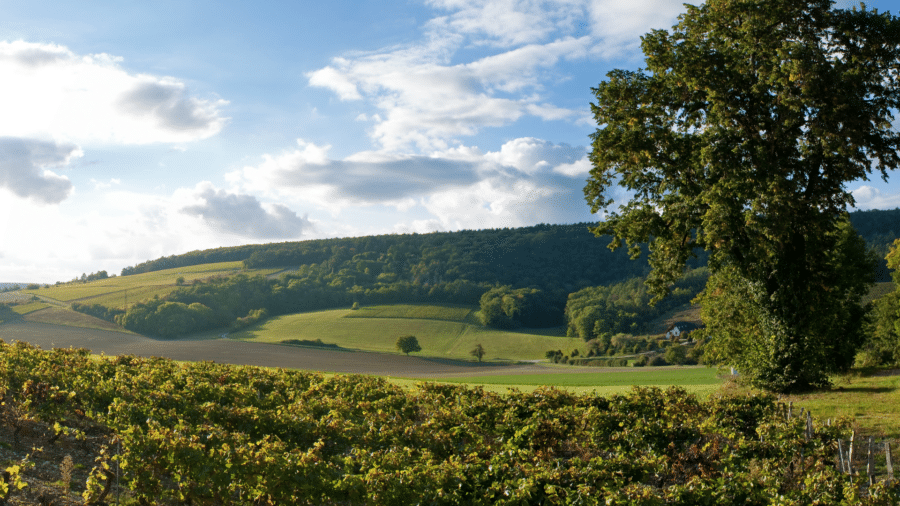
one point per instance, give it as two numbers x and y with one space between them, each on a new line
522 270
499 251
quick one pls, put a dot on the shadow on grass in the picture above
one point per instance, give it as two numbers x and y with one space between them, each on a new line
470 363
863 389
308 343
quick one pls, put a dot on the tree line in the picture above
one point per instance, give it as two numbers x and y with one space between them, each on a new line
539 276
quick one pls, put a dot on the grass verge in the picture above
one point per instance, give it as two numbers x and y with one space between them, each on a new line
871 398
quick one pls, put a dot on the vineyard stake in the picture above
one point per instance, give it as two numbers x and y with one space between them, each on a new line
850 456
887 458
841 456
870 463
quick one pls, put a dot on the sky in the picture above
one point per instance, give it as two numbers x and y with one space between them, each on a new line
134 130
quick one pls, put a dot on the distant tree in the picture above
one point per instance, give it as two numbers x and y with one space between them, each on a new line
179 280
675 354
408 344
477 351
355 306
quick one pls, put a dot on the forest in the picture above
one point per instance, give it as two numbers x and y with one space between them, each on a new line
540 276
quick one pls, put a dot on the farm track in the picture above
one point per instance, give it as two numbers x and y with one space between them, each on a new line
228 351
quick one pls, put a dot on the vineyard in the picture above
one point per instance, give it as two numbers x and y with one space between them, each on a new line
153 431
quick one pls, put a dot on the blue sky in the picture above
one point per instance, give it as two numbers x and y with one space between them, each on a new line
133 130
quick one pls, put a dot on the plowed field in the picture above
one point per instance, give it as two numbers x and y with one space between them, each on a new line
229 351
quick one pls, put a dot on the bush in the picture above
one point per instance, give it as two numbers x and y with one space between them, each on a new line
676 354
657 360
641 361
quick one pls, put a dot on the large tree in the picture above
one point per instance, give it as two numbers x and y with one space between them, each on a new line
739 138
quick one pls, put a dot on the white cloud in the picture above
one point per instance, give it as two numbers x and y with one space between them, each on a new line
119 228
577 168
507 22
47 91
868 197
25 168
244 215
365 178
531 155
425 102
621 24
335 81
100 185
526 181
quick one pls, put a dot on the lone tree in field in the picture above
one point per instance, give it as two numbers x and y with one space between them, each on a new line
477 351
740 138
408 344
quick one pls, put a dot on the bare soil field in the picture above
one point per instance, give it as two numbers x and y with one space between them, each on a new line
228 351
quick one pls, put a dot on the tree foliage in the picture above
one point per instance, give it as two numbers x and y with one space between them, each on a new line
408 344
747 337
506 308
739 139
477 351
624 307
883 345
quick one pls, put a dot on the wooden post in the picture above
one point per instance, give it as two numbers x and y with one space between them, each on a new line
809 425
887 458
790 410
841 456
850 453
870 463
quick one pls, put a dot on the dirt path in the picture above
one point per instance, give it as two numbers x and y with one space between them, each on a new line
228 351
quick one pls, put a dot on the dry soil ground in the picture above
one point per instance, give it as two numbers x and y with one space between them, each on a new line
228 351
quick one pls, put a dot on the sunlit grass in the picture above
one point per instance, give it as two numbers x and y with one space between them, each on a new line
438 338
31 307
444 312
872 399
115 291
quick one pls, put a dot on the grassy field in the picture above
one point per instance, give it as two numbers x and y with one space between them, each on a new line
417 311
701 381
69 318
438 337
871 398
656 376
30 307
111 292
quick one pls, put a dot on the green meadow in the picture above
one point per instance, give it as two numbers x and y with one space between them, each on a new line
440 335
30 307
116 291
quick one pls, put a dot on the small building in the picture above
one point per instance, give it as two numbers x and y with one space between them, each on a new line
675 330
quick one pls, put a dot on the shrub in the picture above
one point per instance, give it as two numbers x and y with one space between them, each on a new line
676 354
657 360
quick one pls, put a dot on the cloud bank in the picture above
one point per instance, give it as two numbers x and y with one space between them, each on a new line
25 168
527 181
244 215
48 91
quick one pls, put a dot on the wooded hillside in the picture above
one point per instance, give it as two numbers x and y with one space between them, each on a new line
550 261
